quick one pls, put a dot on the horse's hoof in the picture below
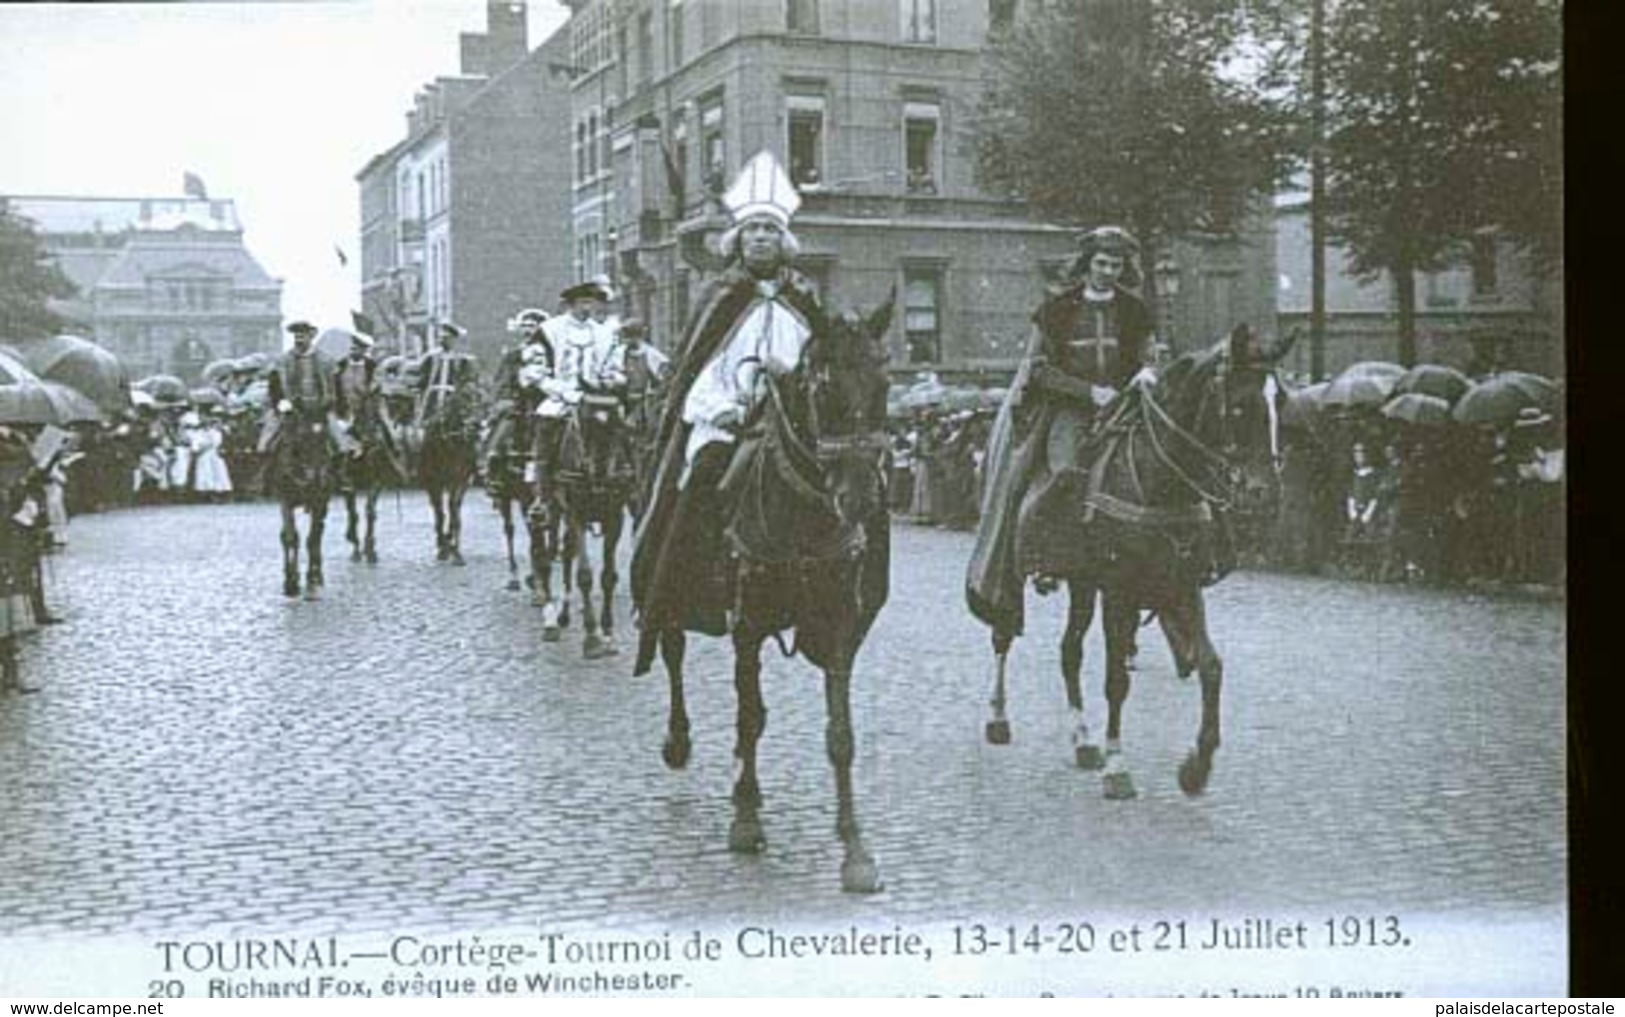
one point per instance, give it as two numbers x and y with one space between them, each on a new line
592 647
745 836
355 554
456 557
290 588
998 732
675 752
610 649
371 556
513 586
441 554
1119 786
313 593
1193 774
860 874
538 598
550 633
1088 757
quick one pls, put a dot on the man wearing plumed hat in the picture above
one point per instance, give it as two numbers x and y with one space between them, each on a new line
358 401
1091 337
580 344
755 316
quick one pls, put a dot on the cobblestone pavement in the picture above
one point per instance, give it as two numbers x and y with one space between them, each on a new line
207 754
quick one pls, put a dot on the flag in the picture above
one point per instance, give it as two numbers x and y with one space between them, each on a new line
344 259
674 178
363 323
192 186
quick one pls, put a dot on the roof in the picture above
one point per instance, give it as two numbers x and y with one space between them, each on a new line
139 260
85 266
63 214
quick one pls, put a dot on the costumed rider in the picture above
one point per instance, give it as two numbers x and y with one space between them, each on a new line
638 368
754 317
580 345
1091 338
300 385
443 373
518 387
358 402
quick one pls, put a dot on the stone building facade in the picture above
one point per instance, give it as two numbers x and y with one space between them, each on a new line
1495 309
167 284
869 104
464 219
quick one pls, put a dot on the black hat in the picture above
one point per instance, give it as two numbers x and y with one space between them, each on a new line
451 330
584 291
302 328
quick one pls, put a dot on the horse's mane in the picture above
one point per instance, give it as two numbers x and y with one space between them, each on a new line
1181 381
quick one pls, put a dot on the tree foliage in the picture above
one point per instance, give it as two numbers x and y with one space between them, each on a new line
1445 121
28 279
1164 115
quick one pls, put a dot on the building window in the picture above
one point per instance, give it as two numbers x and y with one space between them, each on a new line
1486 282
806 141
922 313
1001 15
674 16
592 145
646 48
678 170
801 16
920 21
713 149
920 133
582 146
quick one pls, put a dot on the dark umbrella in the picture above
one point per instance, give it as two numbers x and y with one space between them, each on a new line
72 406
1497 399
206 396
25 399
82 365
1359 389
165 388
1446 383
1303 406
1417 408
13 371
218 371
256 364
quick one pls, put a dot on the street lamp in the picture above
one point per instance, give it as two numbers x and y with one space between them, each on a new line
1166 272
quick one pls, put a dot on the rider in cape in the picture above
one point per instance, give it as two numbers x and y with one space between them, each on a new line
1091 338
756 316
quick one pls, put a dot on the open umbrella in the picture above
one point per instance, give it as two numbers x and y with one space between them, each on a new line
255 363
217 371
164 388
1496 400
1361 385
1417 408
206 396
1446 383
1303 406
72 406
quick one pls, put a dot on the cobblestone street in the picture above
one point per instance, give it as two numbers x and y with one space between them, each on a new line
205 754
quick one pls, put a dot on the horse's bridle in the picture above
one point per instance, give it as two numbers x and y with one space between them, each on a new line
1222 480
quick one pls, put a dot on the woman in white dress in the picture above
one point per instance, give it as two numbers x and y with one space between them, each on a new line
211 480
180 463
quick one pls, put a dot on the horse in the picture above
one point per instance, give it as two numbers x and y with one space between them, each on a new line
1169 467
446 465
300 474
811 544
642 430
365 473
508 488
591 488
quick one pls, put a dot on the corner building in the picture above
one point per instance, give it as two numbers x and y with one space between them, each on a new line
869 104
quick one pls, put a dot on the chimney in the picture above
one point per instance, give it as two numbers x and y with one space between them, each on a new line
504 42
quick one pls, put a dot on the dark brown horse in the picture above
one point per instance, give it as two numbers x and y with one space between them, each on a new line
446 466
512 494
1168 469
810 534
590 491
364 475
300 475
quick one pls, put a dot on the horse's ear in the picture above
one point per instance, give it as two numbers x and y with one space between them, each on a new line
1243 345
1277 352
880 319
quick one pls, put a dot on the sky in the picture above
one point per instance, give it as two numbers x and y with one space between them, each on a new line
275 105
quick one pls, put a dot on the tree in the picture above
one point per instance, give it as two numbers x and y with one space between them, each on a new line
1168 116
28 279
1443 123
